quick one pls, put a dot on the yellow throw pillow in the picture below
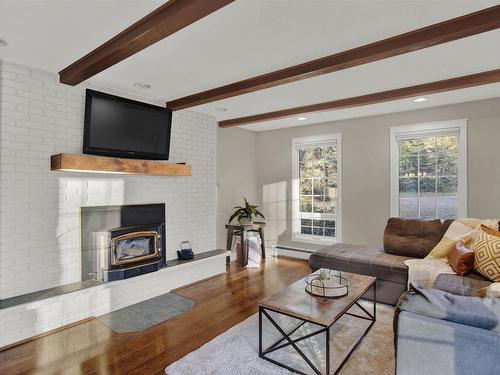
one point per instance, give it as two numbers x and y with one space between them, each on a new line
486 254
459 230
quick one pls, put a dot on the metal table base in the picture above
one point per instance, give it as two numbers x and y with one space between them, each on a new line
280 344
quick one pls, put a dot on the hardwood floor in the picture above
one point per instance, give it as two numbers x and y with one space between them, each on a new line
93 348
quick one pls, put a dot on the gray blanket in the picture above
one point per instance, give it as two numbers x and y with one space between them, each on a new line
472 311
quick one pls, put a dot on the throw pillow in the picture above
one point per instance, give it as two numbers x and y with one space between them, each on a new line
486 255
461 259
459 230
412 237
490 231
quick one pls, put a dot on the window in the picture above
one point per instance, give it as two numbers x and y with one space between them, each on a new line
317 189
429 170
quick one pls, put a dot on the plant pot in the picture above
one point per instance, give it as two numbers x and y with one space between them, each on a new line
245 221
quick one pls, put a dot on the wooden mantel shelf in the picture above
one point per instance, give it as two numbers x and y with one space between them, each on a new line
104 164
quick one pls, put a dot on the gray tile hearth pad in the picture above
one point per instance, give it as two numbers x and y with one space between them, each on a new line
145 314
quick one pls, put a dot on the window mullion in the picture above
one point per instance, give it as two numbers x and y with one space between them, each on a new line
436 178
418 184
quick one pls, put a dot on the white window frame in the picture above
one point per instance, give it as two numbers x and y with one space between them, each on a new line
306 238
421 130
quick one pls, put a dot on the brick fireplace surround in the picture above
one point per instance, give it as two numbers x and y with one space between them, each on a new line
40 117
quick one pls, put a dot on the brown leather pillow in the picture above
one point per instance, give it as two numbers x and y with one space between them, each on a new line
461 259
412 237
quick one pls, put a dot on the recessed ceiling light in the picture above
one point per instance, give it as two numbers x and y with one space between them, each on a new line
220 109
141 85
3 43
419 100
301 118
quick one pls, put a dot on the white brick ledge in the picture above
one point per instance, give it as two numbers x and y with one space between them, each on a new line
33 318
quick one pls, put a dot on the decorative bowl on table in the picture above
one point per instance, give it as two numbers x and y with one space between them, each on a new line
327 283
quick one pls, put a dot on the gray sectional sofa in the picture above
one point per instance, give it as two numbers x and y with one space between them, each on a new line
403 239
425 344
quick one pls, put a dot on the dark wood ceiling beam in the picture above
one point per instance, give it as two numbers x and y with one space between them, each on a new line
435 87
453 29
162 22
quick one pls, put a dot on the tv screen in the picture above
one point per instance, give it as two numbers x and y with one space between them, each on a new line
122 127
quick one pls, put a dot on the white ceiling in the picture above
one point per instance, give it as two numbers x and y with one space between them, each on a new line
435 100
251 37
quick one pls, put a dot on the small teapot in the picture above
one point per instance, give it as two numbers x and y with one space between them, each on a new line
185 253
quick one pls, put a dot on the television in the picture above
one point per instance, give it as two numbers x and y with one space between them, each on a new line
120 127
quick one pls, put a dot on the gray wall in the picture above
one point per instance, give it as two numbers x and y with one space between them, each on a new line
236 174
366 167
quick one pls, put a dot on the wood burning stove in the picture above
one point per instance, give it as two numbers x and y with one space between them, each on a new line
129 251
135 247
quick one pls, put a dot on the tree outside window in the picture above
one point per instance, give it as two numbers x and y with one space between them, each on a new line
431 171
318 180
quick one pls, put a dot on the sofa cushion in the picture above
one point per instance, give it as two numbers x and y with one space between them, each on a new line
413 237
461 285
362 260
436 303
461 259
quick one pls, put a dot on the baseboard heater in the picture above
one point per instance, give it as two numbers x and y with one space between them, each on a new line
297 249
293 252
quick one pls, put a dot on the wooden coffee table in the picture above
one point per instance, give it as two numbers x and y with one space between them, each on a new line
295 302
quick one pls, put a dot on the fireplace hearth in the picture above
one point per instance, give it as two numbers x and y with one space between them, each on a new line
119 242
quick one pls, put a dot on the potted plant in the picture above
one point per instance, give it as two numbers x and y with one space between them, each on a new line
327 283
246 214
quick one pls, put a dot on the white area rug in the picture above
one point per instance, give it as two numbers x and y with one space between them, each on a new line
236 350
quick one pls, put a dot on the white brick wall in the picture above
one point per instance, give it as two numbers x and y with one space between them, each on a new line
40 209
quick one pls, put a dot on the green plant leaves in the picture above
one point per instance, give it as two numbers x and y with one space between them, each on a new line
248 211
